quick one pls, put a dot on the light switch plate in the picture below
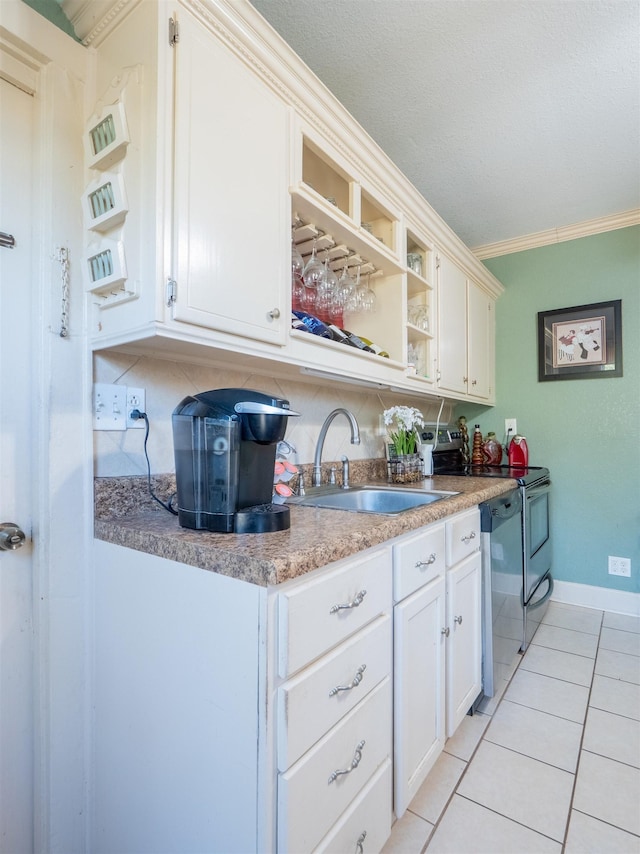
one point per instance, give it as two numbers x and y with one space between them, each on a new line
109 407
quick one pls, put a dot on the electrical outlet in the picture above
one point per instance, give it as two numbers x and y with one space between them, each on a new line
510 427
109 407
620 566
135 400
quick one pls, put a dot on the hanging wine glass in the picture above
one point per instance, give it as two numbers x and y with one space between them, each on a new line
346 290
367 297
297 284
325 291
360 291
297 262
314 269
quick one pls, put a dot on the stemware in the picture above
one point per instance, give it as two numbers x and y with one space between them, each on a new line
366 296
297 284
326 292
297 262
314 269
346 290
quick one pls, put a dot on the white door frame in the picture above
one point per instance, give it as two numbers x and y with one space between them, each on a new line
35 54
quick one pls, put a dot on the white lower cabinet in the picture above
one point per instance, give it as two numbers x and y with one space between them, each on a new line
334 708
419 659
367 820
464 647
464 616
233 717
419 702
437 644
315 792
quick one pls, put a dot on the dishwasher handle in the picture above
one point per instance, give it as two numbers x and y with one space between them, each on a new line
499 510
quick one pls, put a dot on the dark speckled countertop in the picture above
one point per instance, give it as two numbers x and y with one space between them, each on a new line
126 516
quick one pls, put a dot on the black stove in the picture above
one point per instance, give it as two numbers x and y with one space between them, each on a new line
448 460
524 475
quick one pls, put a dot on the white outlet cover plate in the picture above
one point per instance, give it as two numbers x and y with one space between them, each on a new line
135 400
620 566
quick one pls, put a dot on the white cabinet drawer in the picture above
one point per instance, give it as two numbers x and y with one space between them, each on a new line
463 535
367 821
417 560
310 797
320 613
309 704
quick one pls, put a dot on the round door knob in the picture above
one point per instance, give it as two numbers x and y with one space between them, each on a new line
274 314
11 537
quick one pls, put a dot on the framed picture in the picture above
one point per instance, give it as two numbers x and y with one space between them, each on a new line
584 342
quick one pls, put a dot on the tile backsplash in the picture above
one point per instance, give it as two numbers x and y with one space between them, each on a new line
166 383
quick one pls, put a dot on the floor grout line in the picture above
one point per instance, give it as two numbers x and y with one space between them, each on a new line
521 664
584 727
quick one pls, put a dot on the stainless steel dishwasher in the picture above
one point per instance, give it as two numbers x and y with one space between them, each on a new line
502 578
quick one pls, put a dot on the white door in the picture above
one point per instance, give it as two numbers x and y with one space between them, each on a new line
480 321
464 644
452 326
16 624
232 199
419 700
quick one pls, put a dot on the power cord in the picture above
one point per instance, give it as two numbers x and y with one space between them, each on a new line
136 415
507 440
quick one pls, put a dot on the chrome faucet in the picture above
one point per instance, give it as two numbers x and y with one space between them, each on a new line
355 440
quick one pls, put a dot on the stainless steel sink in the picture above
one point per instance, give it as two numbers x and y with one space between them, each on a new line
386 500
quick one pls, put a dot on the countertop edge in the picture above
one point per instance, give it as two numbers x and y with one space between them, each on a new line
317 537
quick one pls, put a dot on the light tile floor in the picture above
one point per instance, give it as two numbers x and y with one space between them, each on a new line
552 763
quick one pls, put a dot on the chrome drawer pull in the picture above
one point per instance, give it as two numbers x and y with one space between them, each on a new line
468 539
360 842
357 756
445 632
431 559
458 620
357 601
357 679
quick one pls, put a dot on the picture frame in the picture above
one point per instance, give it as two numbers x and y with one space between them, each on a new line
583 342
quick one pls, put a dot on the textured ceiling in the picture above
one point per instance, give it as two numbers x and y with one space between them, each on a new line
510 116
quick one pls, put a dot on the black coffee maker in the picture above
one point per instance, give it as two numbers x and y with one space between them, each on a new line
225 450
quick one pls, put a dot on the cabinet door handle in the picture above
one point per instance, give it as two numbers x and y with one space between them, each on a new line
445 631
458 620
353 604
357 757
468 538
357 679
274 314
360 842
431 559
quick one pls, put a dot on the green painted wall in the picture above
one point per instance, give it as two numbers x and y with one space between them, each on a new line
50 10
586 431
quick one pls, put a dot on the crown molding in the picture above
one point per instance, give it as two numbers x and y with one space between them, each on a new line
558 235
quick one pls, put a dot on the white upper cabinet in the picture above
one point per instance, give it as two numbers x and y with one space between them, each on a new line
231 253
226 149
466 332
452 328
481 310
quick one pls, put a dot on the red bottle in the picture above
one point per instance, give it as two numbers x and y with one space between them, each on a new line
518 452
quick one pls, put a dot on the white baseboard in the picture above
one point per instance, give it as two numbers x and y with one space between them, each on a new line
602 598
